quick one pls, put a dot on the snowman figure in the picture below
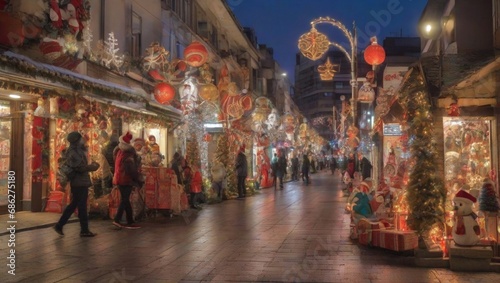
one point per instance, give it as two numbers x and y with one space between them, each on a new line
466 229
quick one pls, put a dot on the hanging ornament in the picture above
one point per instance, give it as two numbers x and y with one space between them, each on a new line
454 110
189 95
366 94
207 137
313 44
164 93
327 71
262 109
374 54
209 92
156 57
195 54
288 122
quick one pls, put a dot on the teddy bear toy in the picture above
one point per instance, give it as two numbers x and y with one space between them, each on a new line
466 229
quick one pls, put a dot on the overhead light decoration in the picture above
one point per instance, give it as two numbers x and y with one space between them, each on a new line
327 71
374 53
15 96
313 44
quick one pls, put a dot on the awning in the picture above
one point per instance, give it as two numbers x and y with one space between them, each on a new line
17 68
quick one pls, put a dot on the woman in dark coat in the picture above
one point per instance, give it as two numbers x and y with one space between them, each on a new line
76 158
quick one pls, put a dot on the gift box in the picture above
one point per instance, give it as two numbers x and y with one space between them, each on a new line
55 202
369 231
398 240
163 199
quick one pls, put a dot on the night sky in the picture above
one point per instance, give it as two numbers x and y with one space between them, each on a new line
279 23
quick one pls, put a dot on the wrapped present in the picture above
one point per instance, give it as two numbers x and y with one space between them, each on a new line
175 198
398 240
166 175
184 201
369 231
55 202
150 196
163 198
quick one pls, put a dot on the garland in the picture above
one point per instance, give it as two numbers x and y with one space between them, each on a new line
75 83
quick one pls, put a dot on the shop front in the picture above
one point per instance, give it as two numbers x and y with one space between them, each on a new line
16 122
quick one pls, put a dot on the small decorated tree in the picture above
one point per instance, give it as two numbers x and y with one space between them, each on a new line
488 198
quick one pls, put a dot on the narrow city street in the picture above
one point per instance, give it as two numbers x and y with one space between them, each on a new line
299 234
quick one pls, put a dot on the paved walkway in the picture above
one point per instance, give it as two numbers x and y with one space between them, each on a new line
299 234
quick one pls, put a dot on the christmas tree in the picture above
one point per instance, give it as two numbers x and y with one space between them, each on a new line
222 156
192 151
488 199
426 193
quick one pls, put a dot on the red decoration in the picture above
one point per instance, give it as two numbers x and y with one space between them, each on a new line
156 75
454 110
207 137
164 93
195 54
51 49
11 30
374 54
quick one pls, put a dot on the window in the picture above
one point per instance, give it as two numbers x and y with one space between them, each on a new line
136 35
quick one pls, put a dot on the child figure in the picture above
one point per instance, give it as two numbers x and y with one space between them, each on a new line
196 187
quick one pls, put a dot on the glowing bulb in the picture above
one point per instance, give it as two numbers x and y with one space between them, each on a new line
428 28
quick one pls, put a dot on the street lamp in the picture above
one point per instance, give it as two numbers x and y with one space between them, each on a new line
313 45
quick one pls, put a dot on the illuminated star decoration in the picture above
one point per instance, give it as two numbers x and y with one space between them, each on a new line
326 71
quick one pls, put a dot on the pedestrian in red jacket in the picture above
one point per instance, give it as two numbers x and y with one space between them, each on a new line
196 187
127 176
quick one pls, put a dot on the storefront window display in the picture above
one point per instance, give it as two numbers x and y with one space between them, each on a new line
5 131
395 156
149 142
467 151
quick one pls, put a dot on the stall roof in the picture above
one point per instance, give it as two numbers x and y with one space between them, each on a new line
77 82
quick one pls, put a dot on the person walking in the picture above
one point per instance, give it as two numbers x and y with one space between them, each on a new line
365 166
274 168
176 165
281 168
242 171
218 179
305 169
76 159
333 164
295 168
127 176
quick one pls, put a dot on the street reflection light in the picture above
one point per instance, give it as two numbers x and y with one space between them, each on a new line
313 45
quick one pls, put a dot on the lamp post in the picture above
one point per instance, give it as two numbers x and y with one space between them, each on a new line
313 45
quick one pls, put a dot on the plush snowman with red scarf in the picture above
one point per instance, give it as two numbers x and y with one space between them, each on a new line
466 229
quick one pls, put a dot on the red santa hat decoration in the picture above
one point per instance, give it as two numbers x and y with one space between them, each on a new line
126 138
465 196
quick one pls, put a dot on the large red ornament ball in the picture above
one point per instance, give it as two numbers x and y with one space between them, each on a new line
195 54
374 54
11 30
164 93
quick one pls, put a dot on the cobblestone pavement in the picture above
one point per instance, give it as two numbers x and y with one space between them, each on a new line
299 234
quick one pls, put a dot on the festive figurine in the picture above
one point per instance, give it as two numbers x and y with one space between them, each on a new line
466 229
488 205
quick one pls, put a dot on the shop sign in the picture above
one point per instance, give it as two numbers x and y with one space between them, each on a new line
392 129
393 76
